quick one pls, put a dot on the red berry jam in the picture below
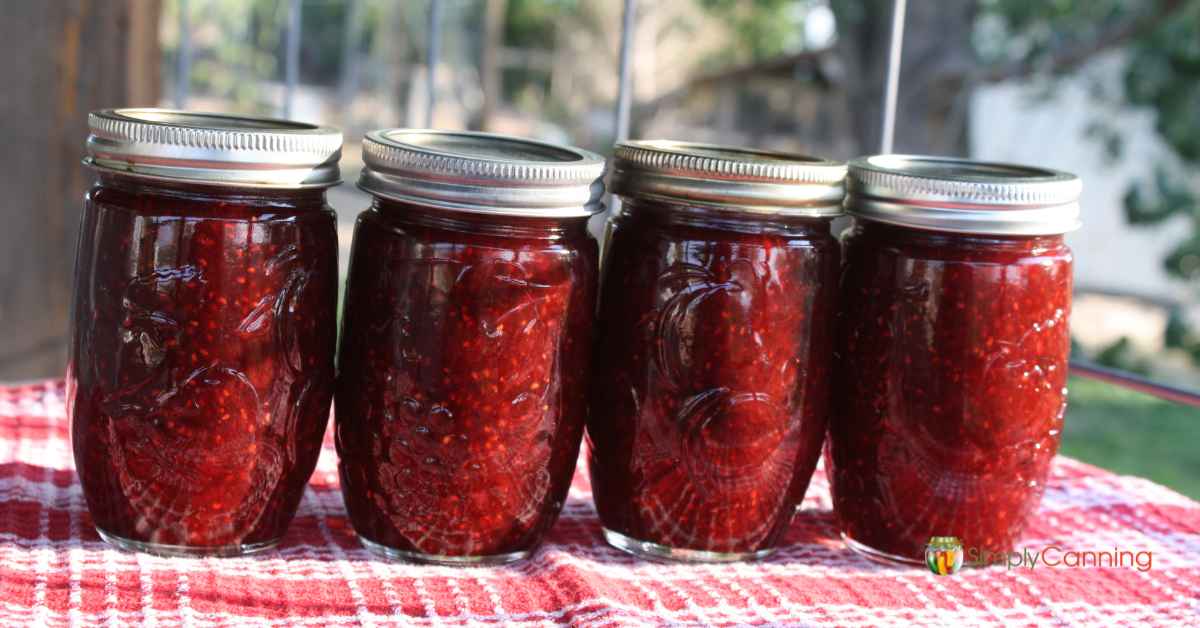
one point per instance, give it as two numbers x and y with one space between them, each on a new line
710 381
201 361
464 358
951 356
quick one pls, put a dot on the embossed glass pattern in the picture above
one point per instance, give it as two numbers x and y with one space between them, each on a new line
460 402
465 343
201 360
951 363
710 379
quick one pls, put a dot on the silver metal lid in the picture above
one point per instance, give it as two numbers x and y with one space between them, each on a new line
728 178
214 148
482 173
963 196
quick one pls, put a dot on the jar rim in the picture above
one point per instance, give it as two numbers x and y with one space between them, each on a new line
485 173
217 148
725 177
963 195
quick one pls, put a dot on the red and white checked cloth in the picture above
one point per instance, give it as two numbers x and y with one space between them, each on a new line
56 571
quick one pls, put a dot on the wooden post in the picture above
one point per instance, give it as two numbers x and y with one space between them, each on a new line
66 58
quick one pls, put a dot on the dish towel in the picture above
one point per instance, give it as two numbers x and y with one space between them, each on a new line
55 570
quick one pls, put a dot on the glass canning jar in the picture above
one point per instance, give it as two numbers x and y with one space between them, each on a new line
710 382
468 318
203 327
951 353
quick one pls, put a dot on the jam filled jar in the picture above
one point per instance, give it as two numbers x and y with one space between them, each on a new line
950 365
203 327
465 343
710 382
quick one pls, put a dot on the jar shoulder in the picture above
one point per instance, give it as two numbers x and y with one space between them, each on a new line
374 228
201 203
815 235
859 243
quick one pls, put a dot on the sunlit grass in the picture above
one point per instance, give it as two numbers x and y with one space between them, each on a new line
1135 434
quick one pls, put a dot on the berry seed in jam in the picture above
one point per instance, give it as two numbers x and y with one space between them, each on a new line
710 381
202 345
464 358
951 354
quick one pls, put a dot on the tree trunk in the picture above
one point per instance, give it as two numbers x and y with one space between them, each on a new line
351 33
931 110
65 59
489 61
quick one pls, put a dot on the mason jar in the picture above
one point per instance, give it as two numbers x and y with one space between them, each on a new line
465 343
951 358
710 381
203 327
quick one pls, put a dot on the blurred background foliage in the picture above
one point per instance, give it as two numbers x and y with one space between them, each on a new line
763 29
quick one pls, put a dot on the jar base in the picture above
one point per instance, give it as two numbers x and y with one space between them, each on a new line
654 551
185 551
392 553
878 556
